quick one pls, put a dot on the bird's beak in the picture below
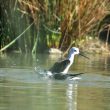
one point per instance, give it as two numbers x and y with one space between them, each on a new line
81 53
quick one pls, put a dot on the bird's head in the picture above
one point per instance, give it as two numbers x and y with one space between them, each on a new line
74 50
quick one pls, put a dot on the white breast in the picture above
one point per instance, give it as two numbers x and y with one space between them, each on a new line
71 58
66 69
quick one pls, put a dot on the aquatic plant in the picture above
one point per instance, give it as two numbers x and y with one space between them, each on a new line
56 23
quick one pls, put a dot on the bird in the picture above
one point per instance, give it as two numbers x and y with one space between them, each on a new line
60 69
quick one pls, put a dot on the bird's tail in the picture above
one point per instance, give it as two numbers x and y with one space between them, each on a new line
64 76
74 75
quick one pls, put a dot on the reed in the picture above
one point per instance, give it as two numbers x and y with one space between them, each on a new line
57 23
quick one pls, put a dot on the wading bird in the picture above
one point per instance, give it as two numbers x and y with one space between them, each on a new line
59 69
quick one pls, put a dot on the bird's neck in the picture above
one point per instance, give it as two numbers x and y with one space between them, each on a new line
71 57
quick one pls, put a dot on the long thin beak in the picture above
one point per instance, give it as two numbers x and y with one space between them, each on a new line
83 55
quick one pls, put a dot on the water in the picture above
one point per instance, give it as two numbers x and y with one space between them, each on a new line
21 88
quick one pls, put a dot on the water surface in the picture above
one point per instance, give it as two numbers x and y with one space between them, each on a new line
21 87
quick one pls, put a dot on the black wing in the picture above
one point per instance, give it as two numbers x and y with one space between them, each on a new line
64 76
59 67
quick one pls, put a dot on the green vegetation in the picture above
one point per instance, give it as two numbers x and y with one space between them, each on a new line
52 23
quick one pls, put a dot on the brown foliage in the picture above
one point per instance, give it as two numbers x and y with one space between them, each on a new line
75 18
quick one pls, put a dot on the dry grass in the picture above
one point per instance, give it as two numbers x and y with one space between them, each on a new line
75 18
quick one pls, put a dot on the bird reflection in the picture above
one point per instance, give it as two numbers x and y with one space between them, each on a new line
71 94
65 92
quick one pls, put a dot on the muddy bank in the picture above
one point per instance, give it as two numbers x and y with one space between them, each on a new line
96 46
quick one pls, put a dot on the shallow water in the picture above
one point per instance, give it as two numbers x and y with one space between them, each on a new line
21 87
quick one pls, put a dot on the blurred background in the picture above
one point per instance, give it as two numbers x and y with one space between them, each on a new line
30 26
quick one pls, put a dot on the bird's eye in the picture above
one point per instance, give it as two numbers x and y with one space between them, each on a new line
74 50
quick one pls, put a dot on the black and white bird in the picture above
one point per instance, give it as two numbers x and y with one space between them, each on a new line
59 69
